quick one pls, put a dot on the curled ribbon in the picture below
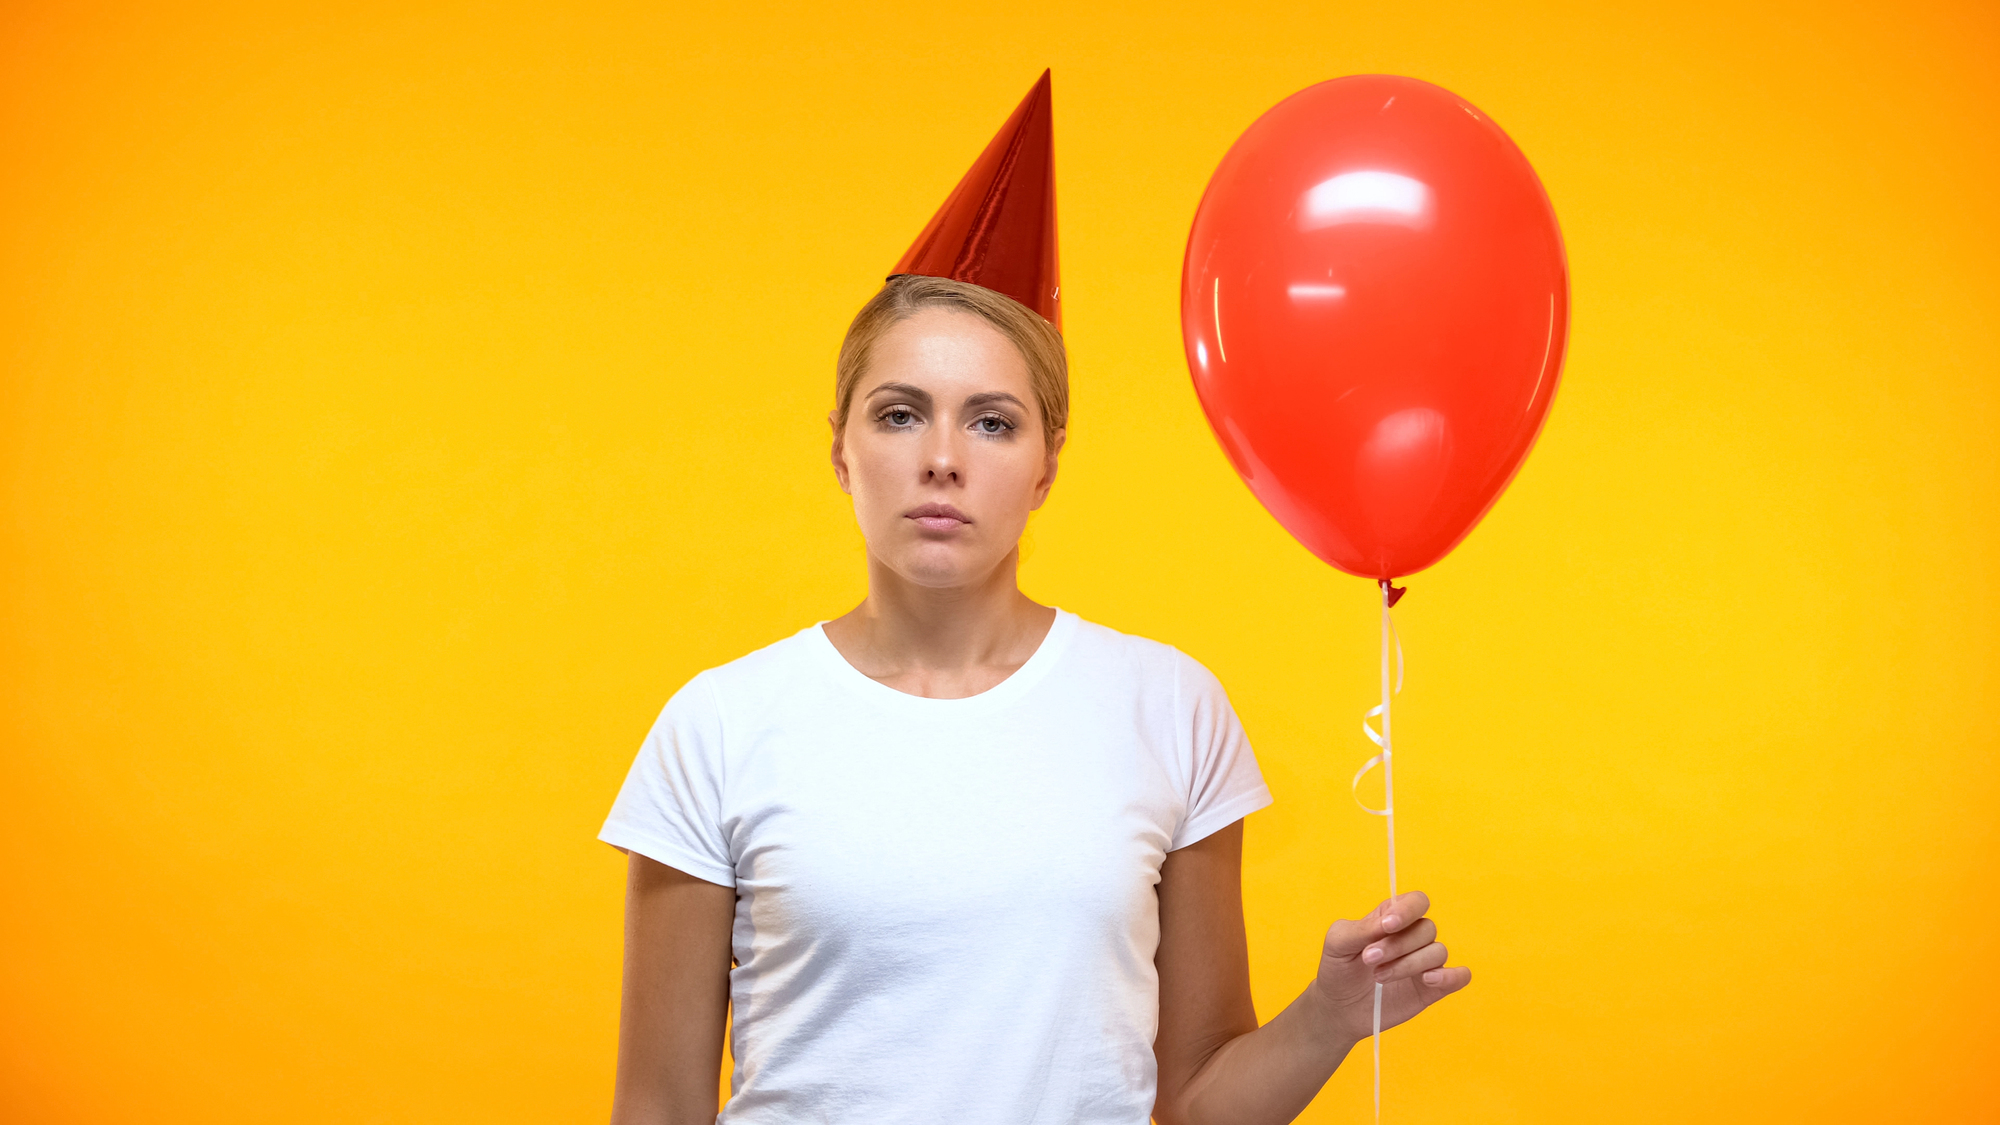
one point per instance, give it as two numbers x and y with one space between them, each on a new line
1375 736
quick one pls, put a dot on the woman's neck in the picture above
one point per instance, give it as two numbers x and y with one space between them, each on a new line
941 642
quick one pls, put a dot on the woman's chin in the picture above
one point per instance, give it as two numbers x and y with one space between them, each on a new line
940 566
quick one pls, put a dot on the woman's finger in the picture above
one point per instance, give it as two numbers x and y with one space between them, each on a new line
1403 909
1346 939
1400 944
1435 983
1430 957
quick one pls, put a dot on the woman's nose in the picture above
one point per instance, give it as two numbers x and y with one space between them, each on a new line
941 459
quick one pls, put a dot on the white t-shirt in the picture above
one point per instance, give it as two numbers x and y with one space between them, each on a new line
945 908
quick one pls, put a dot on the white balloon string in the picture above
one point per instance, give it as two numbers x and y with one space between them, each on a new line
1388 810
1377 1038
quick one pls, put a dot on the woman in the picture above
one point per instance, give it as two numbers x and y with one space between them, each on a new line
974 859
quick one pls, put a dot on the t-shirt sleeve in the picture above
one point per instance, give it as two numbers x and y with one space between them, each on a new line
1224 783
670 808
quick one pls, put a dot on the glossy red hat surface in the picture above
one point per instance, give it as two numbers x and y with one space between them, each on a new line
997 229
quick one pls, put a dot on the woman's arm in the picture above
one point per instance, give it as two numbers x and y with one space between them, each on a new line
676 996
1215 1064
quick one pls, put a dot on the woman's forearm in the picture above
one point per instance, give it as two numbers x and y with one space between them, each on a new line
1266 1076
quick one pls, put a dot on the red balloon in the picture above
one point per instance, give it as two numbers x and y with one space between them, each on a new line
1374 304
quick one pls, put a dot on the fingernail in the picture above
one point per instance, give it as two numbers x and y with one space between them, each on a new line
1371 955
1390 921
1434 977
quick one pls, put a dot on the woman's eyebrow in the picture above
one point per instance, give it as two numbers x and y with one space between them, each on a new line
987 397
903 390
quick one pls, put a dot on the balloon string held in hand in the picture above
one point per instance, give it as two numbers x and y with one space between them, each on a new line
1390 596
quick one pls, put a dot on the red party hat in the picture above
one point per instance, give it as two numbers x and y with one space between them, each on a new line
997 229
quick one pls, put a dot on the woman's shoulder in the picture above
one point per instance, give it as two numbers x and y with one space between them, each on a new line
782 659
1103 645
755 673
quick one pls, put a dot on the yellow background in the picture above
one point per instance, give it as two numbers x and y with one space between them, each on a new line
401 401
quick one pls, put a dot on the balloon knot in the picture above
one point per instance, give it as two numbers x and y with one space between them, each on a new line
1392 594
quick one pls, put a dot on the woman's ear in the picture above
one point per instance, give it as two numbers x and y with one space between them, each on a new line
1042 486
839 451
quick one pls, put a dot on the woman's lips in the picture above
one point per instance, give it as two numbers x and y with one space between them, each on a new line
938 517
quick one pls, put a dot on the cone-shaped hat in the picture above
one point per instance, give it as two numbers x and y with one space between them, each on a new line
998 227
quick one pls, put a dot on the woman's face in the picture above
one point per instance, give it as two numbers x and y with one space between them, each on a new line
943 450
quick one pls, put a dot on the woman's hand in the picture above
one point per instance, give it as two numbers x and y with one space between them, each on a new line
1216 1066
1395 946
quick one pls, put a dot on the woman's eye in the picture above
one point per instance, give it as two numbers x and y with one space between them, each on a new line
897 417
992 425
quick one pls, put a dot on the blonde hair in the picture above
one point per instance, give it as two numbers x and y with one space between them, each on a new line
904 295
